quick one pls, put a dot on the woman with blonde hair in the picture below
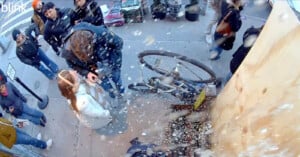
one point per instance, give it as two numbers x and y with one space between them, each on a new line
86 99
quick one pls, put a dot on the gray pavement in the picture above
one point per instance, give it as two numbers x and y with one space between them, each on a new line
143 115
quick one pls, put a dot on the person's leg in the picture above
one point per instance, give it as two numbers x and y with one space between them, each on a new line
106 85
24 138
116 62
32 115
49 63
212 22
45 71
216 50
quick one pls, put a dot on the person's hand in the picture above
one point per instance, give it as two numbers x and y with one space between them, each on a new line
91 77
20 124
11 109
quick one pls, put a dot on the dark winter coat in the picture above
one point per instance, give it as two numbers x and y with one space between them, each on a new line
91 13
28 51
242 51
107 46
56 30
14 99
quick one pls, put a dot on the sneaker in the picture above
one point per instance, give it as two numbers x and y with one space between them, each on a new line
213 55
49 144
208 38
39 136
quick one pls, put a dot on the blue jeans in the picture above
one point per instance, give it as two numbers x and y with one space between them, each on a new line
215 45
24 138
31 114
115 63
49 63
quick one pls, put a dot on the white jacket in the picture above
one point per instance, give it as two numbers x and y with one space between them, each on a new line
91 113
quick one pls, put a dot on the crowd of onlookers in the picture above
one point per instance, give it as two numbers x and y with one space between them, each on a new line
94 55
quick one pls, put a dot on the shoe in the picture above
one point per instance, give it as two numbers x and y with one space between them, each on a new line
214 55
39 136
49 144
44 119
208 38
42 123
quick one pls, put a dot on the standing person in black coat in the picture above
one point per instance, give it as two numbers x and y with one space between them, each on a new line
229 23
88 11
29 52
249 39
13 102
59 22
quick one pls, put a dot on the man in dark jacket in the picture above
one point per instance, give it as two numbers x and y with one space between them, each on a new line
29 52
249 39
88 11
59 22
95 48
13 102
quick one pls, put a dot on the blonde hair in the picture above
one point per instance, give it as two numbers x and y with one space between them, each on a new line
66 83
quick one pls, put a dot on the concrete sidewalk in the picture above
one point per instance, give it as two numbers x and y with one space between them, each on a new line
143 116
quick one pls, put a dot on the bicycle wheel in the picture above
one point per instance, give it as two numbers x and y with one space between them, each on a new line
168 63
142 87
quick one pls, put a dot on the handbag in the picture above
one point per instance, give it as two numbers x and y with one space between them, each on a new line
224 27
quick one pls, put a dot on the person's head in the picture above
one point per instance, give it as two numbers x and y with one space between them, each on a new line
18 36
3 90
37 5
81 45
49 11
80 3
68 83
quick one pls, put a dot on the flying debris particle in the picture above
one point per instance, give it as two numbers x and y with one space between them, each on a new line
181 14
144 134
283 107
283 16
264 130
103 138
132 67
149 40
168 33
137 33
129 78
260 2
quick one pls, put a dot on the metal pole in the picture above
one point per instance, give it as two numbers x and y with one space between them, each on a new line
43 102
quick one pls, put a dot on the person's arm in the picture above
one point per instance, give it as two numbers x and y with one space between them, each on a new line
32 31
86 105
3 76
27 60
18 93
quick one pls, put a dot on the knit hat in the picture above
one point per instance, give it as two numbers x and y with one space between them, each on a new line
47 6
15 34
35 3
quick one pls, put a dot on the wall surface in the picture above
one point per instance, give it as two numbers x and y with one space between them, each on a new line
258 111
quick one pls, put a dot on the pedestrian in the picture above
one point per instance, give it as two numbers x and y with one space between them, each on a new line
95 48
13 102
228 25
59 23
216 6
38 18
249 39
10 135
86 99
29 52
88 11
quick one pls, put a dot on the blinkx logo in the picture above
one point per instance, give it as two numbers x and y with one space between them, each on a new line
12 7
